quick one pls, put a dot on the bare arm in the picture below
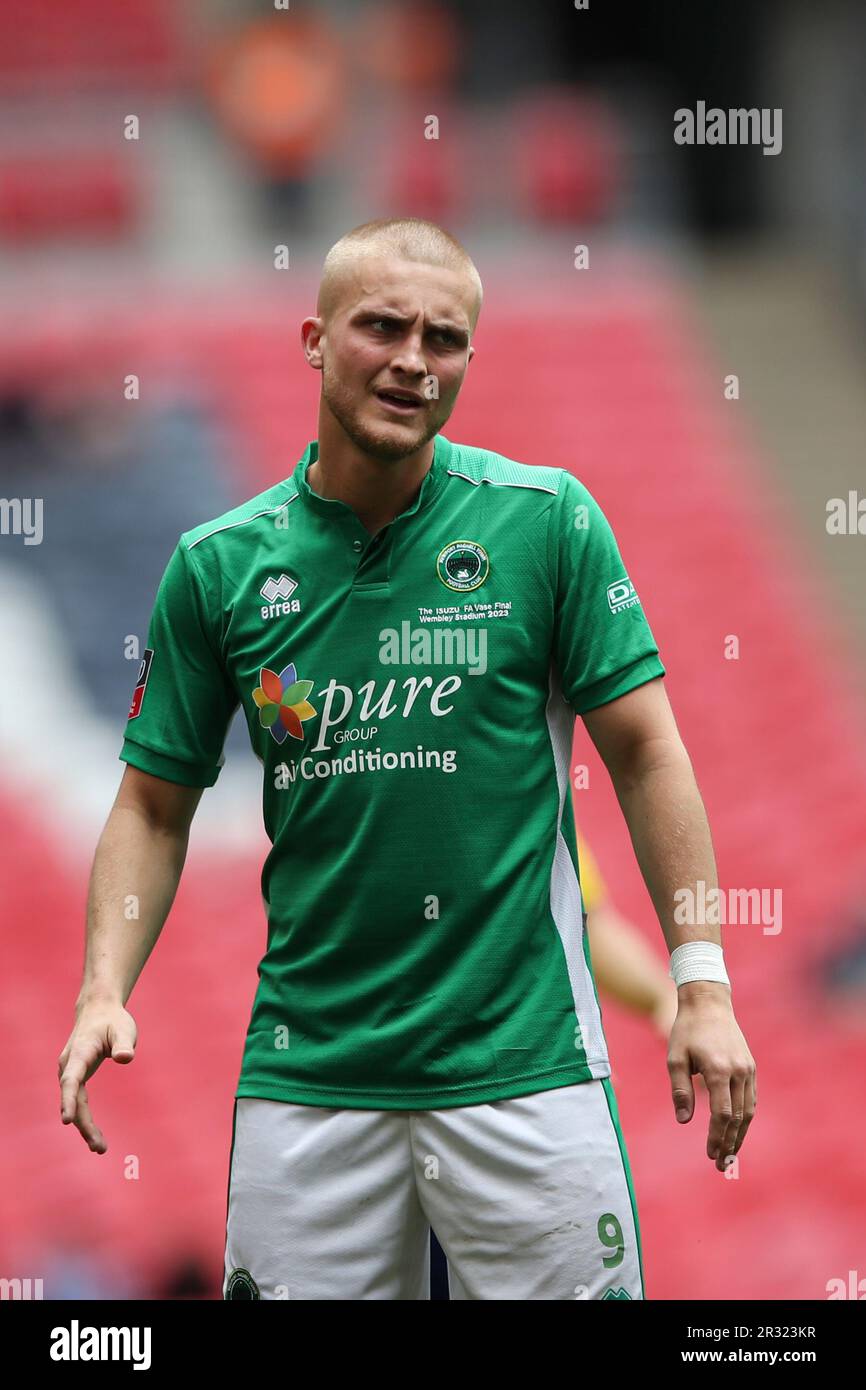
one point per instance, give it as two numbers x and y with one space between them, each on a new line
652 775
135 874
655 784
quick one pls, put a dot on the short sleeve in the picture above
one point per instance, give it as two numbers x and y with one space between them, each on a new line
603 645
183 700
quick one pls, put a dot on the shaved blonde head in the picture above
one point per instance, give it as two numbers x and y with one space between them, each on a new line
410 238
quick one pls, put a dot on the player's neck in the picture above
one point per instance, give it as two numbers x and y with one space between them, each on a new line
376 490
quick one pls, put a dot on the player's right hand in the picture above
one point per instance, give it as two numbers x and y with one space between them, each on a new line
101 1030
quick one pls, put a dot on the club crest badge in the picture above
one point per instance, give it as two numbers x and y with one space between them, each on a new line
463 565
241 1284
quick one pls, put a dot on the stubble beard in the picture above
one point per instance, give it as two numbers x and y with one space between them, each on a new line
383 446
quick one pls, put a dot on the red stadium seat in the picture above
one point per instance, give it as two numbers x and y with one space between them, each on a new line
566 158
69 195
45 46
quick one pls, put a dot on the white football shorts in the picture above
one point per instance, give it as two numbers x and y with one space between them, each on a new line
531 1198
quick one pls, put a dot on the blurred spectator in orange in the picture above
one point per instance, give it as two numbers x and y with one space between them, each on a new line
410 47
278 88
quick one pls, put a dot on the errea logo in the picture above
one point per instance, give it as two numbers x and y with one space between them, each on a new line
621 595
279 589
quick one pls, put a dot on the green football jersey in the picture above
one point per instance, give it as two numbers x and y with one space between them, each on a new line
411 697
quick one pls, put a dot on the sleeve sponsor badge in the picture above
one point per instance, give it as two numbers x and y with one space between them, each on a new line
140 684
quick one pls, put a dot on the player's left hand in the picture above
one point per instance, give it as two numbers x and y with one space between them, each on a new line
706 1038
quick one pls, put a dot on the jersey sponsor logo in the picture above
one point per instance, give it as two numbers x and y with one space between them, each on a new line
283 706
339 703
621 595
463 565
617 1293
278 593
282 702
241 1284
141 684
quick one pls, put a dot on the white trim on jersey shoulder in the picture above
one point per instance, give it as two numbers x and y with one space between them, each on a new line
268 511
535 487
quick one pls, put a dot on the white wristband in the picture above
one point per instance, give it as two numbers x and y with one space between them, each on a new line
698 960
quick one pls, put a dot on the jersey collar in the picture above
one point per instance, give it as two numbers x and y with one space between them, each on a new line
432 485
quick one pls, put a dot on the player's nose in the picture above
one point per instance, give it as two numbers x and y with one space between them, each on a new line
409 356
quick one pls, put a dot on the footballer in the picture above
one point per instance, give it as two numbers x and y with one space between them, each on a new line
409 627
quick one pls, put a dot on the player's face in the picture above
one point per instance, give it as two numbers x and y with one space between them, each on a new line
399 327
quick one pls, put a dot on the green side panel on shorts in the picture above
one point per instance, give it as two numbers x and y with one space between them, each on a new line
229 1181
614 1115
